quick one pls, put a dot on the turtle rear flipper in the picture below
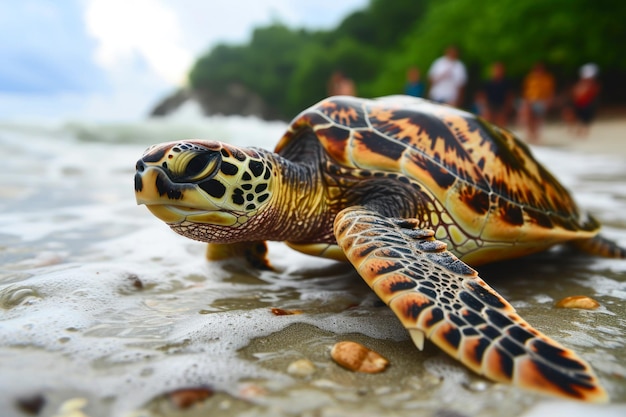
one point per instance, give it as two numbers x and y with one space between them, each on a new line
434 293
600 246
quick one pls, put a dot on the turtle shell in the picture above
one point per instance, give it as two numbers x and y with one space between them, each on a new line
495 192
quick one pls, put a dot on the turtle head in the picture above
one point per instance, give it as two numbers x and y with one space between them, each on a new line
206 190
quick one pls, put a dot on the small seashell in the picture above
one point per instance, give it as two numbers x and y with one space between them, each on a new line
301 367
578 301
280 312
358 358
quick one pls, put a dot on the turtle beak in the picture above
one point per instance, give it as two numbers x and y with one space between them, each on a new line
153 186
164 198
155 190
140 189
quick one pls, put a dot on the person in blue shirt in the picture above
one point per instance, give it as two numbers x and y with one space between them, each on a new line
414 85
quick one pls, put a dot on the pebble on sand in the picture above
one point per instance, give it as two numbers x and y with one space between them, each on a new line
301 367
578 301
358 358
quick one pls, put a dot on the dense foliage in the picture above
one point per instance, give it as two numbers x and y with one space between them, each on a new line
290 68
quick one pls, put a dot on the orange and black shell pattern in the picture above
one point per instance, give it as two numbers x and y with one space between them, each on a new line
486 187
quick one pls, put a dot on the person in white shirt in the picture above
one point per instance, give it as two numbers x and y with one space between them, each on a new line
447 76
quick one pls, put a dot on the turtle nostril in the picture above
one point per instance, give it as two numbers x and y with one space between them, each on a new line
140 166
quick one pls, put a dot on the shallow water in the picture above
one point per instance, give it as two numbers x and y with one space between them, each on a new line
104 310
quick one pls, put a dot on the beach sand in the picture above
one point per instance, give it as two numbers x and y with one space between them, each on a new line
606 136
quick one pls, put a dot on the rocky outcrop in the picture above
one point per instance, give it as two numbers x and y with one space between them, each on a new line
171 103
235 100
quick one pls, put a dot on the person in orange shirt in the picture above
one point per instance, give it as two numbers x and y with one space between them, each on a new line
537 94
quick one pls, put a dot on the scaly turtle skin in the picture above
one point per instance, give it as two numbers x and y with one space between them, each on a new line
410 193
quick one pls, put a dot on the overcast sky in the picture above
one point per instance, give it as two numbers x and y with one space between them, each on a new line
113 59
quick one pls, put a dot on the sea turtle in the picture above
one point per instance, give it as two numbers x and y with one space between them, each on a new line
410 192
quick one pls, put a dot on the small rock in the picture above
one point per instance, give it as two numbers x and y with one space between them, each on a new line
327 384
478 386
358 358
281 312
251 391
72 408
135 281
31 405
186 397
301 367
578 301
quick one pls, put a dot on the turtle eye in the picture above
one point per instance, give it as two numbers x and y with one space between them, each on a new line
201 165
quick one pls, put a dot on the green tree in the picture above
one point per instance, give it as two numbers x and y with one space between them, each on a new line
383 23
309 83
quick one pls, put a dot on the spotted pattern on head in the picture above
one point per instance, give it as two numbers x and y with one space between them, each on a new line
206 176
249 188
242 182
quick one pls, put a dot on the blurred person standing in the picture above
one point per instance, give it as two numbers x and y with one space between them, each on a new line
414 85
447 76
584 96
537 95
497 96
340 85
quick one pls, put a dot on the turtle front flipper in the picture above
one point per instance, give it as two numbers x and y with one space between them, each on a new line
435 294
254 253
